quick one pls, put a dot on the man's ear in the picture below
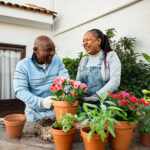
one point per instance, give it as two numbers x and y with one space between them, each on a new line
35 49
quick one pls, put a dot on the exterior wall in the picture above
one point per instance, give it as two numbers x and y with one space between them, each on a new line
132 21
48 4
14 34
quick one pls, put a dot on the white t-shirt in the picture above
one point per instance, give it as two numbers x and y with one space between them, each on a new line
93 60
42 66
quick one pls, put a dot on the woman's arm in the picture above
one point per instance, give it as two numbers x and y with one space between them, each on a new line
114 67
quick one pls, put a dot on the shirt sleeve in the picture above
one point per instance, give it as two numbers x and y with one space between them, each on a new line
114 67
21 87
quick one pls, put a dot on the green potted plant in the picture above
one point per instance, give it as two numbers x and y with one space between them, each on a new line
101 122
144 127
66 95
63 131
128 120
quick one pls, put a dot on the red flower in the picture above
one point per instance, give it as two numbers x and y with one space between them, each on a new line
134 99
122 103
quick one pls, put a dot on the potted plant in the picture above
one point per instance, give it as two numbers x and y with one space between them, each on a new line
101 123
144 127
66 95
147 99
130 116
63 131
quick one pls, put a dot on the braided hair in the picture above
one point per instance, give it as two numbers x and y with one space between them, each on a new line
105 45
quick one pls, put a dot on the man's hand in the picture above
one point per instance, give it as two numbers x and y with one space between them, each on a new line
91 99
47 102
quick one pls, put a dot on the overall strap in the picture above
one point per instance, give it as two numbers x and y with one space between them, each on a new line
86 58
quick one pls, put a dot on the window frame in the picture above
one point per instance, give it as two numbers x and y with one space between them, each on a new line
6 104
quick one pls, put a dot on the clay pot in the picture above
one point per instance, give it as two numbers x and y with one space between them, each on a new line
95 142
145 139
123 138
63 140
14 124
62 107
137 133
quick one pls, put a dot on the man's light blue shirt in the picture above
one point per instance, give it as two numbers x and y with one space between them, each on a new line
32 83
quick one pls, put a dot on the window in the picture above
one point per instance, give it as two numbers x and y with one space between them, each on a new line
10 55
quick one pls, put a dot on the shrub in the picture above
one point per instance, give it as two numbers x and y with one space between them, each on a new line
135 74
72 65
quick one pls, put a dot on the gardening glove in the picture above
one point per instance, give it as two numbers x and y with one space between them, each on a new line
47 102
91 99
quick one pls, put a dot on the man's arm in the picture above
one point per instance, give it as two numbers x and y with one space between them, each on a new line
22 87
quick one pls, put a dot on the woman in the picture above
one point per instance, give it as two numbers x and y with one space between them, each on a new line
101 70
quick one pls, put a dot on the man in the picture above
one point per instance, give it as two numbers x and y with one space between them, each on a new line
33 77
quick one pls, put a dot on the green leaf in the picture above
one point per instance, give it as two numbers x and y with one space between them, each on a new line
146 57
89 135
104 96
85 107
91 105
85 122
110 103
70 99
115 108
81 118
111 130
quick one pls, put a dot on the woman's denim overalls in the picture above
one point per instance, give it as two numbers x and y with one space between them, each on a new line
92 77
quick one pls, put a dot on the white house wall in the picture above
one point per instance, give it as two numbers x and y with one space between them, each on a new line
132 21
48 4
15 34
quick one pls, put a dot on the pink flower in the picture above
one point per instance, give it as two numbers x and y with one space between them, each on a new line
83 86
126 101
125 94
85 89
75 85
62 80
71 93
71 81
59 86
53 87
57 80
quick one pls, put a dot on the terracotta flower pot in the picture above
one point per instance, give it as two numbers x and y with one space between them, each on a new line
145 139
137 133
14 124
62 107
63 141
95 142
124 133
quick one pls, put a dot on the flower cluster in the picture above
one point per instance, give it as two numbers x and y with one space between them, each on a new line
146 95
68 91
129 104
